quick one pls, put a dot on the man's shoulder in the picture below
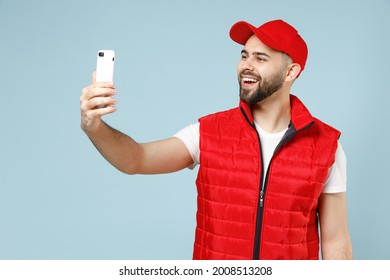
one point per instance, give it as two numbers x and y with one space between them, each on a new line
224 115
326 128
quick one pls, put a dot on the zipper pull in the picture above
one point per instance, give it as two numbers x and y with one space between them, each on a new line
261 198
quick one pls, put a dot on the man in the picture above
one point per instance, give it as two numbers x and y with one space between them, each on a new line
269 171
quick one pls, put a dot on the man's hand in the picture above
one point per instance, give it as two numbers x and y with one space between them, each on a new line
96 100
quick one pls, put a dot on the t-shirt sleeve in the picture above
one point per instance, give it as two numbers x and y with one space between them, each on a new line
337 177
190 137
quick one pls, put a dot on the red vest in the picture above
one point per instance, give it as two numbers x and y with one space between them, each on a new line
238 216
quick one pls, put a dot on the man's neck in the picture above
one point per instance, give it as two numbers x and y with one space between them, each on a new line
273 114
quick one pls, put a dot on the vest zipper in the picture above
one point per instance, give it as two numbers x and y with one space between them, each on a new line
259 217
290 133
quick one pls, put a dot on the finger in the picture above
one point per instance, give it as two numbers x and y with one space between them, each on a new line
93 77
104 111
86 93
103 84
98 102
96 92
91 92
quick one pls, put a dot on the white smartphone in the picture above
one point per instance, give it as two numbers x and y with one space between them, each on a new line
105 66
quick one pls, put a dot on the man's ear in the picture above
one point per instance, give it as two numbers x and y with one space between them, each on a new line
293 71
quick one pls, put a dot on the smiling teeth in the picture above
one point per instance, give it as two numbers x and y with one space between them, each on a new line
249 80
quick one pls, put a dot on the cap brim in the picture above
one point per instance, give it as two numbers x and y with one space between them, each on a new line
241 32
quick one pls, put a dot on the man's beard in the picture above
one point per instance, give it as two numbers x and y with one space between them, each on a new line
266 87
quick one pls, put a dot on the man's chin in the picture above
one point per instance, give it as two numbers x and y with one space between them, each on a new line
247 96
253 98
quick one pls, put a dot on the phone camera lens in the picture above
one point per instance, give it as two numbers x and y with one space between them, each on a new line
101 54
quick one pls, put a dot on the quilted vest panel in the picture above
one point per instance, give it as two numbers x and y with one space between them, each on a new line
230 220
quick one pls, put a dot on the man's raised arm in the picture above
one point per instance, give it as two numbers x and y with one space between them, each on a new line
120 150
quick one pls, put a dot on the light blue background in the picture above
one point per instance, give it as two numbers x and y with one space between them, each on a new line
59 199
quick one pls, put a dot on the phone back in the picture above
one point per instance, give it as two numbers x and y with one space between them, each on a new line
105 66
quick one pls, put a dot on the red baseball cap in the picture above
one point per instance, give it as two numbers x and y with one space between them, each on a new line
276 34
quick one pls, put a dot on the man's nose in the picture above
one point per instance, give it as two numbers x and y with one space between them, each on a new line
247 64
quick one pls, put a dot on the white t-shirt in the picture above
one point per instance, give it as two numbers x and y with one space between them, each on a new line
337 177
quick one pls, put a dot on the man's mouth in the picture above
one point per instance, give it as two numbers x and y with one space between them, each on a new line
249 81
